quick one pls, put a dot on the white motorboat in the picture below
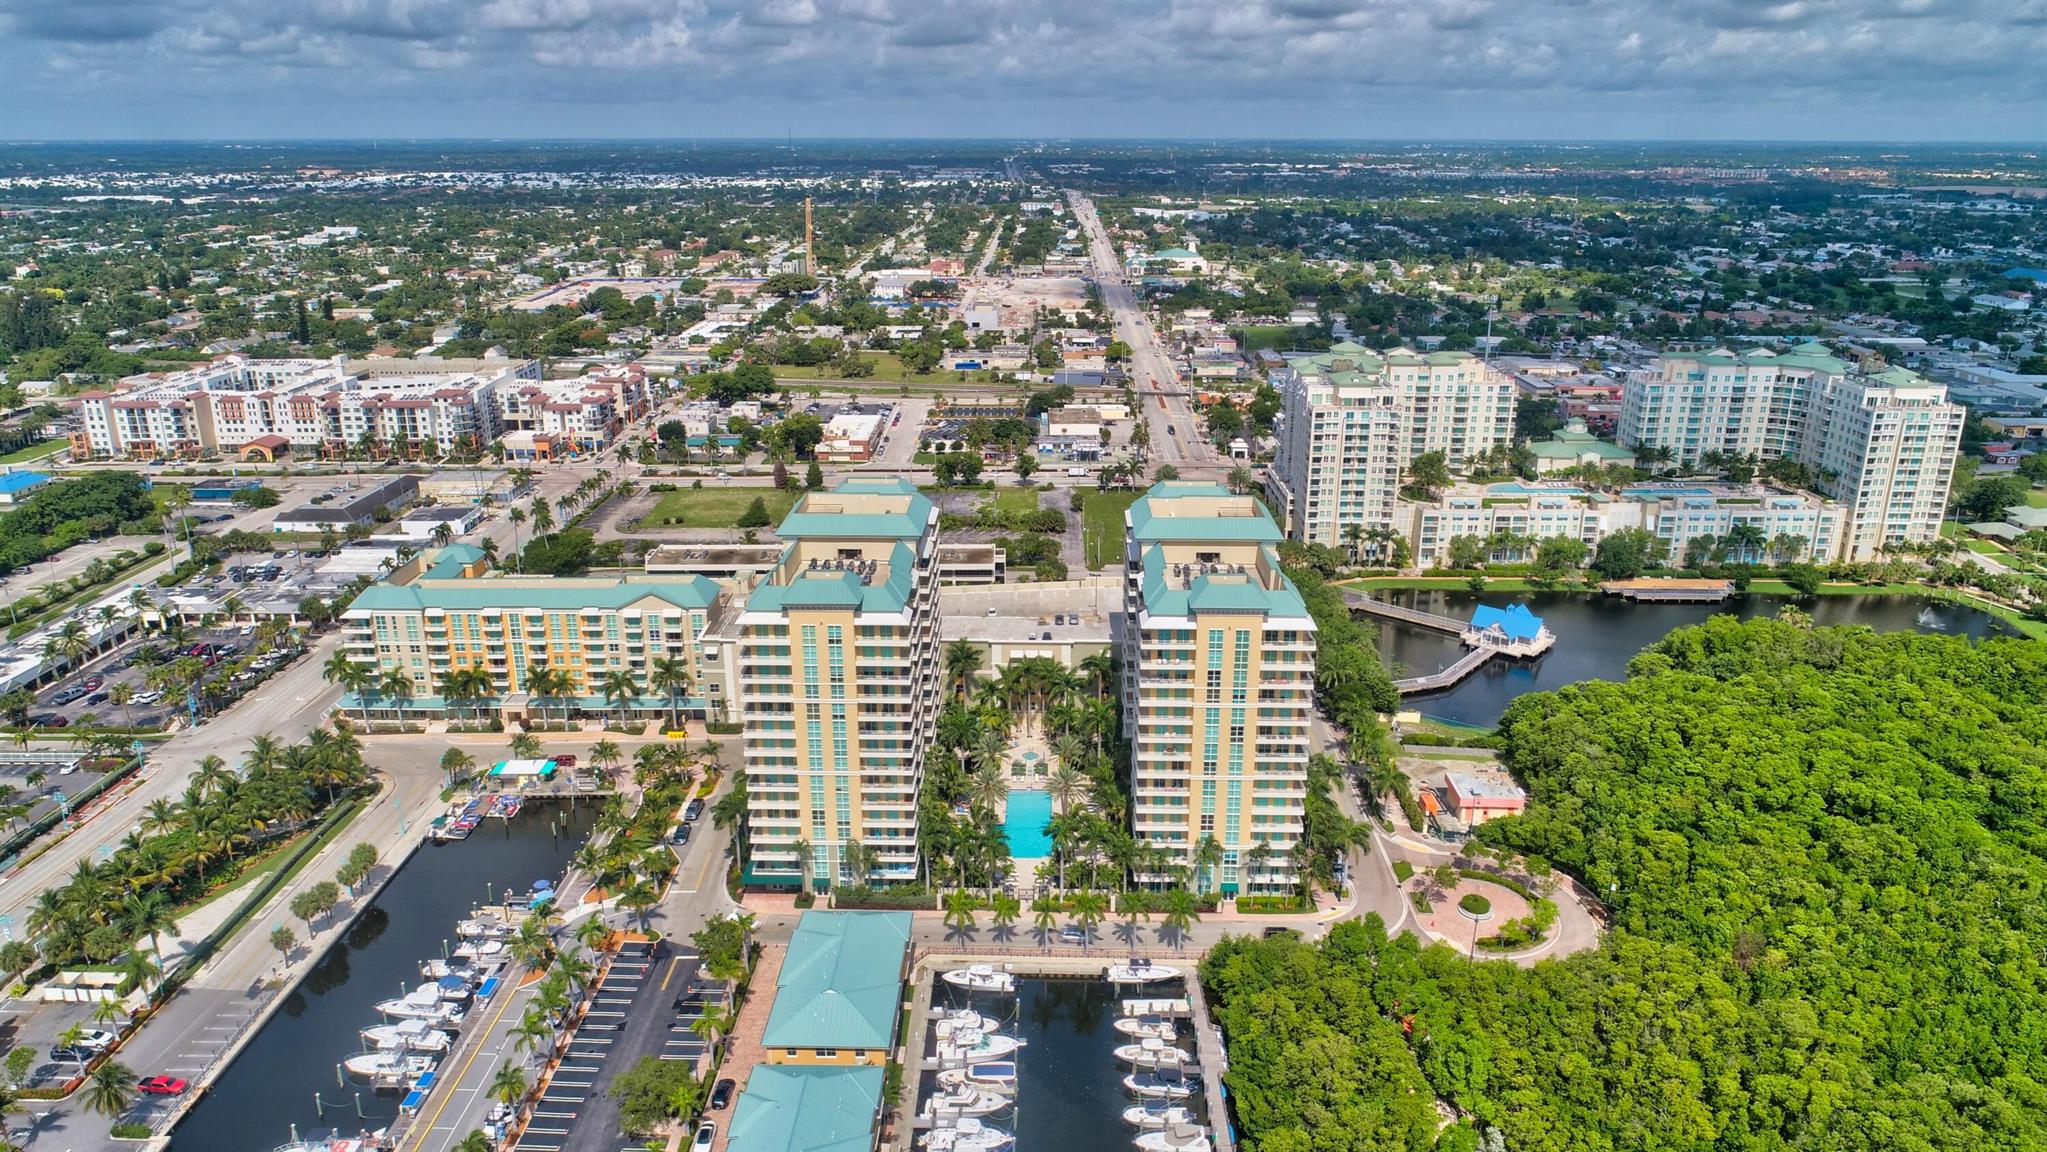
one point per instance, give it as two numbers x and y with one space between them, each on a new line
975 1048
333 1141
966 1135
981 978
483 928
960 1020
1174 1138
1152 1052
422 1003
1148 1028
479 949
388 1067
1156 1115
994 1075
965 1100
413 1035
1138 970
1160 1084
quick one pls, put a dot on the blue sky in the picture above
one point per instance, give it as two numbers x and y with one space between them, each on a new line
1935 70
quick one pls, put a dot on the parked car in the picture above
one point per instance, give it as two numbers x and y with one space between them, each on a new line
96 1039
565 761
92 683
161 1085
150 696
707 1134
721 1096
679 834
95 698
49 720
693 810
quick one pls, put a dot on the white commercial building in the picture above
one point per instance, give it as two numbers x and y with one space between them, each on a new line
1881 440
1355 419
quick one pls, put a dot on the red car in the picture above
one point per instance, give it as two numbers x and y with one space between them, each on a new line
161 1085
93 683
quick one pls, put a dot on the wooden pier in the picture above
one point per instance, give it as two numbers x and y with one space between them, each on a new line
1466 664
1652 590
1362 603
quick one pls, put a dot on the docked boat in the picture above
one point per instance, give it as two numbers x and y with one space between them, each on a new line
1148 1028
505 805
1161 1084
951 1024
993 1075
333 1141
1174 1138
414 1035
965 1100
461 966
485 927
422 1003
479 949
1156 1115
981 978
969 1047
966 1135
1138 970
1152 1052
393 1068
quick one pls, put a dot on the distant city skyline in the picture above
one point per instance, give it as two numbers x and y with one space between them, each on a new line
1859 70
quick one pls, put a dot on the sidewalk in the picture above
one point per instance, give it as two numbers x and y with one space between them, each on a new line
744 1050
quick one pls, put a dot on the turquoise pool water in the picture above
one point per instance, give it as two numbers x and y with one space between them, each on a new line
1516 488
1024 824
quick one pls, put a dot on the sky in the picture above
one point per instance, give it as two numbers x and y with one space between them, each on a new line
1919 70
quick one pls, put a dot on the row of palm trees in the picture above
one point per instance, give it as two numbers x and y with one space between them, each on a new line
470 688
183 848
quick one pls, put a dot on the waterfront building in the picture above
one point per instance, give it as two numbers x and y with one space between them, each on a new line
1881 440
1779 525
256 409
792 1108
443 613
839 990
838 685
1354 420
1218 668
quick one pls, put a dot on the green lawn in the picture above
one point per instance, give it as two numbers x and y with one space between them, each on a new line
715 507
35 452
1101 516
887 366
1023 500
1985 547
2036 498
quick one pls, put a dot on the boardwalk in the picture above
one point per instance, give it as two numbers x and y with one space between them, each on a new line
1415 616
1449 677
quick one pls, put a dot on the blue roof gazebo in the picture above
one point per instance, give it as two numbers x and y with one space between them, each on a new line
1512 623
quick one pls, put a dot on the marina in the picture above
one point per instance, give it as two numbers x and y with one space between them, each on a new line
1097 1057
390 980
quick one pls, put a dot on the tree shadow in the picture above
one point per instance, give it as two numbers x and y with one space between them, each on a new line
1127 932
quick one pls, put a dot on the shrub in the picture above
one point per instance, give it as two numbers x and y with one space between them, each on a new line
130 1130
1475 904
864 896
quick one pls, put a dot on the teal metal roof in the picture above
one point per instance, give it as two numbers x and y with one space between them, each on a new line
449 562
1147 525
841 981
909 524
793 1108
823 588
1216 593
553 595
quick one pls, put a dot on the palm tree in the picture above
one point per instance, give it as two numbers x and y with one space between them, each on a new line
509 1085
476 1141
138 971
351 677
525 746
617 686
543 516
1100 668
605 754
1256 861
959 911
962 661
1183 911
1089 908
1067 786
549 683
1044 918
110 1089
639 898
804 864
455 765
147 915
988 787
531 1032
1207 855
672 676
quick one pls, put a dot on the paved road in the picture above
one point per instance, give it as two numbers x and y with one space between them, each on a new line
1176 433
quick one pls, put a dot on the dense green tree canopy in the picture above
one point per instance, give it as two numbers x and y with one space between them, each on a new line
1823 850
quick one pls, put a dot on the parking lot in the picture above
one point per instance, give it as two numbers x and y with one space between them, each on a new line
645 1006
89 694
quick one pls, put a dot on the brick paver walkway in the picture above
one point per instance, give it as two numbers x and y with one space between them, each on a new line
745 1050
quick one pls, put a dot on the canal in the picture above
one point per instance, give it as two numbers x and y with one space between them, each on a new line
274 1082
1597 636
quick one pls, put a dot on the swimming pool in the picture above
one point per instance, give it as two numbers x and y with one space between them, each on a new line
1516 488
1650 492
1024 824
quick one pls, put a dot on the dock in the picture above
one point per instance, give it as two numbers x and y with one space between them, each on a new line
1653 590
1513 632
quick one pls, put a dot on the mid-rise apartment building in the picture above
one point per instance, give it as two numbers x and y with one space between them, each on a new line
1218 671
1355 419
441 614
580 414
1881 440
236 404
1782 525
838 684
